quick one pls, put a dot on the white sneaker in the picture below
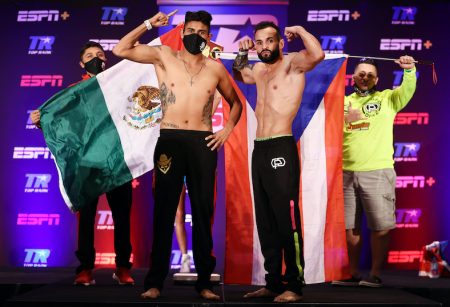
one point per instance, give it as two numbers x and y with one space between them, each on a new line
185 263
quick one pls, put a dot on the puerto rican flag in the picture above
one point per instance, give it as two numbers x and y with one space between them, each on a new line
318 130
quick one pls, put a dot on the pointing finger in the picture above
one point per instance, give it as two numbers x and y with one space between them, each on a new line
172 13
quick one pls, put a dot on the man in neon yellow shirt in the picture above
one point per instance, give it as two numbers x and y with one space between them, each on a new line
369 176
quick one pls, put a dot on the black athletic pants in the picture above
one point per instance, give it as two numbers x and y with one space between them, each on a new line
276 175
181 153
119 201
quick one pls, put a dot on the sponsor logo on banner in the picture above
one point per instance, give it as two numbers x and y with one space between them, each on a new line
105 220
403 15
328 15
38 219
175 262
41 15
107 44
38 16
398 77
32 153
421 118
30 124
231 28
36 257
415 182
107 258
37 183
401 44
408 218
333 44
405 256
406 152
41 44
41 80
114 16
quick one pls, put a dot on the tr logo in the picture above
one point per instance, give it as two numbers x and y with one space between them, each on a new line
278 162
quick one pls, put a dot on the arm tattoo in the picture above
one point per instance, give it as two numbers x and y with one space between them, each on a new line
241 62
166 96
207 112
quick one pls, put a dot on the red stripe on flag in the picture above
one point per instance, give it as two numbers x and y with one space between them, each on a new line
238 200
173 38
336 258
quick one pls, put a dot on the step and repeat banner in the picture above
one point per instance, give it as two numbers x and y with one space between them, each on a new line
42 41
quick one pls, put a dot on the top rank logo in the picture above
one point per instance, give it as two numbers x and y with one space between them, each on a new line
403 15
41 44
333 44
113 15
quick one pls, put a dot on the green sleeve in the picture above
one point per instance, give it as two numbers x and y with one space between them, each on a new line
403 94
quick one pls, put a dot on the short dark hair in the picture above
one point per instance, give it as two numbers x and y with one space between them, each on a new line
268 24
367 61
90 44
203 16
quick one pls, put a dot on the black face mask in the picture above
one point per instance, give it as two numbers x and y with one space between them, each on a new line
194 43
274 55
95 66
364 93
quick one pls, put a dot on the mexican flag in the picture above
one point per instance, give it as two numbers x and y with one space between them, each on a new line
102 131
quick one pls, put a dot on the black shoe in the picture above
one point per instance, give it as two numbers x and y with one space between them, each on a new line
373 282
350 282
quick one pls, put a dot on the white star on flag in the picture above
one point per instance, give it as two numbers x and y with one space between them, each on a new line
119 11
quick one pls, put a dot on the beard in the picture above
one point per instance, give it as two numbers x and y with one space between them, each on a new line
272 57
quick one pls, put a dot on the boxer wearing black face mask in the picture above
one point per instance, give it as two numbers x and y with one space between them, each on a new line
95 66
194 43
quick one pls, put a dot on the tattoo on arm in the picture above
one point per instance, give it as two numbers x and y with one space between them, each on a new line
241 62
207 112
166 96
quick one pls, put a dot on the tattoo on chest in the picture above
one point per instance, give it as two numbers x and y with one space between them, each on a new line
207 112
167 97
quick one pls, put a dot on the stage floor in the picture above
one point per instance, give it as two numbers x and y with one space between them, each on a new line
53 287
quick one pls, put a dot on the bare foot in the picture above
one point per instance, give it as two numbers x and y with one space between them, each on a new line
263 292
287 297
151 293
209 295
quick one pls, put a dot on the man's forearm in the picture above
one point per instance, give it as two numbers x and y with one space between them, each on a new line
241 61
128 41
312 45
235 114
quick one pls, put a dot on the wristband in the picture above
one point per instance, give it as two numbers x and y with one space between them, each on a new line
148 24
243 52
